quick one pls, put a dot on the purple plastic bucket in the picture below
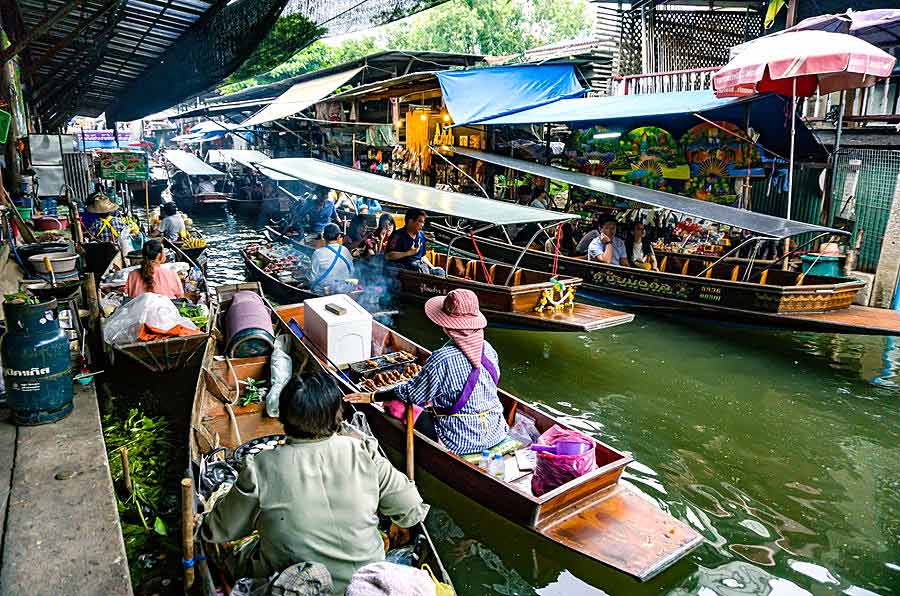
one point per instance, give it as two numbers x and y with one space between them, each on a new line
248 327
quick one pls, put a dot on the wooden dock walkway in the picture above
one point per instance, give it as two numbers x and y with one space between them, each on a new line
62 533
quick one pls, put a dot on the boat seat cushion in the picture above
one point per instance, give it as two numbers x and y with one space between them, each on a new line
504 447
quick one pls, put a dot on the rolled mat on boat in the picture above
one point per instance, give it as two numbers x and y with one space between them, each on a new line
248 327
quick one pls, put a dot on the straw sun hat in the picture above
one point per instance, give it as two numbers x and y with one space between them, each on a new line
456 310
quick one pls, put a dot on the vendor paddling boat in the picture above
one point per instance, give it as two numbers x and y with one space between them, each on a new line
223 432
241 161
185 170
595 514
526 298
723 289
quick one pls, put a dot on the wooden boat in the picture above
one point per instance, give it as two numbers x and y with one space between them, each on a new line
280 290
218 422
529 299
201 202
164 355
595 515
263 207
771 297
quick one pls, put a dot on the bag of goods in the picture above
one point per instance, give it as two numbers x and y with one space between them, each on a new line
156 312
281 371
562 456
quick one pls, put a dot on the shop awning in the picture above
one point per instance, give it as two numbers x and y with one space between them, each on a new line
190 164
249 158
406 194
675 113
768 225
301 96
474 96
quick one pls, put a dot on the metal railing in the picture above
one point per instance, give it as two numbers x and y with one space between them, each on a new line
693 79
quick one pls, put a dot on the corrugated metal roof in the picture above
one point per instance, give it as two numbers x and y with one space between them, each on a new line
99 48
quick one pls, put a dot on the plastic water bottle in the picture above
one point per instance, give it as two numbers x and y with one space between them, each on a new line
498 468
485 462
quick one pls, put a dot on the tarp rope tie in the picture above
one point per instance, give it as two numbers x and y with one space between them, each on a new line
484 269
556 252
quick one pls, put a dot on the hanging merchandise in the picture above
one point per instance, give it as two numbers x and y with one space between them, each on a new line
417 127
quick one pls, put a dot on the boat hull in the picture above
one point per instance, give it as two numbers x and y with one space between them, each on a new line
816 304
594 515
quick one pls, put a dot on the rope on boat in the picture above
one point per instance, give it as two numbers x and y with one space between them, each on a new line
487 276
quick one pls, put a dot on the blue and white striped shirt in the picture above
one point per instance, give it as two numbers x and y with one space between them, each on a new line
480 424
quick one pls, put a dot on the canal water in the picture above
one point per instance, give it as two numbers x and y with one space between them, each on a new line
782 449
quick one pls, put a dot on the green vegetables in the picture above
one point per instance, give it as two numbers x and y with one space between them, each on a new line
253 392
198 315
150 450
20 298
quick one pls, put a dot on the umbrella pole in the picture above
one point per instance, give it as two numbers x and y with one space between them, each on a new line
787 241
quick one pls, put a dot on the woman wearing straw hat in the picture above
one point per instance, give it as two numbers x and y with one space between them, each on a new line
459 380
108 226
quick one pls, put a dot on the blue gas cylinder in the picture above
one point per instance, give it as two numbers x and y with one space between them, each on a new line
37 367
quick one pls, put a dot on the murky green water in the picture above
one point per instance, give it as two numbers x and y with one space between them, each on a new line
782 449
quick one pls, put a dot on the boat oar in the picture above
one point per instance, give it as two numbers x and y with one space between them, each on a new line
410 442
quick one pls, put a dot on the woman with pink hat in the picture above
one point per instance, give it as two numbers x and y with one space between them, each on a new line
458 384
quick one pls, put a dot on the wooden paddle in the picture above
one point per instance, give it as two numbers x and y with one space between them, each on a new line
410 442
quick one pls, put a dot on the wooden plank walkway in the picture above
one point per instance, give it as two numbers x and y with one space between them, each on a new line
62 533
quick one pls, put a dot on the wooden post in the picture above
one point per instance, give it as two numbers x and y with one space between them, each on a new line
187 530
126 470
410 442
92 301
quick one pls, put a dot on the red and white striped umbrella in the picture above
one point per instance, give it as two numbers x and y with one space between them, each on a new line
797 63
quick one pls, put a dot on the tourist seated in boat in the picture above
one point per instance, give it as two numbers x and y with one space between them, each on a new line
382 233
315 213
458 381
640 250
564 239
151 276
316 498
205 186
607 247
332 265
172 226
539 199
406 246
358 239
108 226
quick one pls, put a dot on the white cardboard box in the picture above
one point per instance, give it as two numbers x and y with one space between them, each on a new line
345 336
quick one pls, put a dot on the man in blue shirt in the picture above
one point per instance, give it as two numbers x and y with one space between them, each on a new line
406 246
319 210
370 206
607 247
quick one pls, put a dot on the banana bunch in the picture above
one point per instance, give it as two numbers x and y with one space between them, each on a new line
194 243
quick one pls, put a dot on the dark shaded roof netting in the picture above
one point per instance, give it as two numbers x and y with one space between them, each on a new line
344 16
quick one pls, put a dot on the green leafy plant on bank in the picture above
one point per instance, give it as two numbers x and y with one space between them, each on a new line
150 447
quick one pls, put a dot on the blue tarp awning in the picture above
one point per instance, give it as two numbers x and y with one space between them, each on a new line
769 116
472 96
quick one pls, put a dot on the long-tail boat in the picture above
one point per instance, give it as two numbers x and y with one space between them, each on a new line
595 515
220 426
510 295
723 289
192 166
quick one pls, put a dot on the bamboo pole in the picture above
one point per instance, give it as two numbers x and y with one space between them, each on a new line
410 442
126 469
187 531
147 204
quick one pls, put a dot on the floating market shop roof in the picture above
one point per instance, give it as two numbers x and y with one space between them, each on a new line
768 225
406 194
473 96
190 164
301 96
